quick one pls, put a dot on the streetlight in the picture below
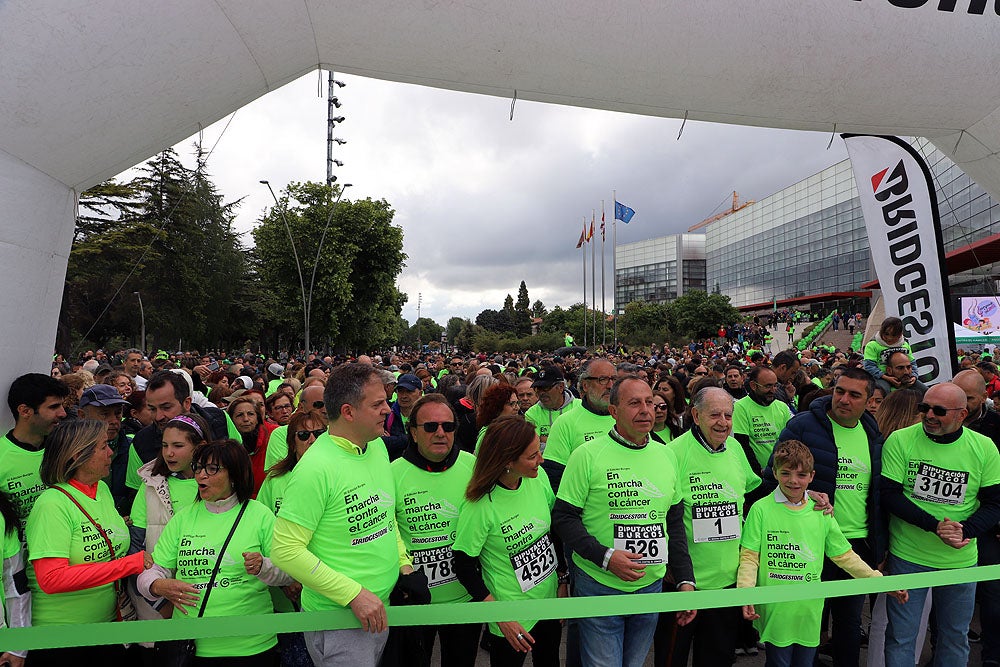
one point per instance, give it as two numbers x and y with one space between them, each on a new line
319 249
340 142
298 265
338 119
142 317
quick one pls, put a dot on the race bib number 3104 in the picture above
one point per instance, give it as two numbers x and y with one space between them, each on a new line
646 539
937 485
534 563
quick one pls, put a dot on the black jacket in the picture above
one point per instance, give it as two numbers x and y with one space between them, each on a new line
148 441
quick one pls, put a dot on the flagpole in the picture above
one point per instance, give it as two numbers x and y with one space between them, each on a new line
604 315
585 284
593 275
614 264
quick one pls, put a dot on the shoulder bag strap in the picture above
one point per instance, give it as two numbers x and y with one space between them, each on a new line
107 540
218 561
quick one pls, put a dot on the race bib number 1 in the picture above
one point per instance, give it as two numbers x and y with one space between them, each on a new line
937 485
646 539
715 522
438 565
534 563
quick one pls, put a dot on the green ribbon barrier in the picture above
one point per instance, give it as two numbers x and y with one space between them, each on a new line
58 636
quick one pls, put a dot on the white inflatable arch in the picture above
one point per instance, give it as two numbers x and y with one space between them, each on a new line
88 89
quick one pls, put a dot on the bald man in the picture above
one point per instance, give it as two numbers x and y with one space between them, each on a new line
941 488
981 418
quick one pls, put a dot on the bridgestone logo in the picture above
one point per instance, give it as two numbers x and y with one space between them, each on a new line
368 538
626 517
785 577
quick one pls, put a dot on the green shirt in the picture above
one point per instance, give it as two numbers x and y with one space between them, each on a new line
190 545
854 479
943 479
56 528
761 424
347 498
543 418
132 479
426 512
277 446
579 426
19 477
713 485
272 491
625 495
183 493
509 532
791 544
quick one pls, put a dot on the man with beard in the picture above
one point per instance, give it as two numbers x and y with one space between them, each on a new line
785 364
554 399
758 418
734 382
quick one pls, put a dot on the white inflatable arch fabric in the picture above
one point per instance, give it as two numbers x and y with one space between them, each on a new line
88 89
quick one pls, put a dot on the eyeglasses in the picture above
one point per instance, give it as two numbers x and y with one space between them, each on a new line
209 468
660 406
601 379
304 435
282 407
939 410
457 363
432 427
766 386
513 404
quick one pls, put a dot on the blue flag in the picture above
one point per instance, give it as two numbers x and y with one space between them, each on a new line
623 212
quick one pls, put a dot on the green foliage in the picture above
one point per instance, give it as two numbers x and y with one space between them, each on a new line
489 342
355 302
168 235
425 330
453 327
810 333
522 312
698 315
538 309
465 339
644 323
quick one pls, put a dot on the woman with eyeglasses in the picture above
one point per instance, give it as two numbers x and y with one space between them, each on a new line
504 548
303 429
500 400
431 478
191 546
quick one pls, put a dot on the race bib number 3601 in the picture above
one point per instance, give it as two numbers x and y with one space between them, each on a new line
715 522
937 485
438 565
647 539
534 563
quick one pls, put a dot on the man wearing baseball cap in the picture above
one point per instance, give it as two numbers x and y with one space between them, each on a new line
409 389
103 403
554 399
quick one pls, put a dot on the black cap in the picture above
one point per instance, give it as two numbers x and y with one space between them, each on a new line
548 376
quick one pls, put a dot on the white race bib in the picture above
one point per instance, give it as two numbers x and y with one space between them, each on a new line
534 563
715 522
647 539
937 485
438 565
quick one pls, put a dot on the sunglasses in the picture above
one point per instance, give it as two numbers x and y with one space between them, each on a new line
319 405
939 410
304 435
432 427
660 406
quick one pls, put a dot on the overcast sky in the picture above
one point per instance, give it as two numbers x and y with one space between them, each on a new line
485 202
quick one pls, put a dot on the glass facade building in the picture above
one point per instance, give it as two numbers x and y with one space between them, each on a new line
659 270
806 240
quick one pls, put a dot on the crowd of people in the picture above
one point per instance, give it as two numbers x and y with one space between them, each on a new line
235 484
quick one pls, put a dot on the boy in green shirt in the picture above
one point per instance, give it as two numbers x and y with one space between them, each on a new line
784 543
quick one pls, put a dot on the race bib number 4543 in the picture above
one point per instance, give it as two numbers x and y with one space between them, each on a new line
937 485
534 563
646 539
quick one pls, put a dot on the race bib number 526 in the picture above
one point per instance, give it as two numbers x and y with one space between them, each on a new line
647 539
534 563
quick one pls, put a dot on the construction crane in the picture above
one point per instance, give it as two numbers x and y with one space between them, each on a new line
737 206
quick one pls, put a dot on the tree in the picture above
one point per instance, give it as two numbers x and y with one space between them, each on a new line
643 323
465 339
538 309
698 315
522 314
453 327
425 330
355 302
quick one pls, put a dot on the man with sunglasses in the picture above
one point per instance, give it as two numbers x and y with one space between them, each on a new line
554 399
758 418
431 478
847 451
941 487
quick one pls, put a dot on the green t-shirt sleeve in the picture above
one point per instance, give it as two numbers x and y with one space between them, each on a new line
277 447
266 529
894 459
752 530
138 513
132 479
264 496
575 485
473 527
306 483
49 530
836 543
550 496
740 421
231 428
